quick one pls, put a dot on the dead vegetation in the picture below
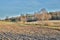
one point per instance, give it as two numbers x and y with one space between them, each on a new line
45 29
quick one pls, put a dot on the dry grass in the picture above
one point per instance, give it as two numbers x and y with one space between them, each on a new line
47 30
19 27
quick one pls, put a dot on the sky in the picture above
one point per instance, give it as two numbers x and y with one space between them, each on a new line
17 7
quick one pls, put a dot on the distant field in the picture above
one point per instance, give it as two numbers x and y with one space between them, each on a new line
15 26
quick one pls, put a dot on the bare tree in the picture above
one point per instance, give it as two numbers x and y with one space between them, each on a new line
7 18
44 14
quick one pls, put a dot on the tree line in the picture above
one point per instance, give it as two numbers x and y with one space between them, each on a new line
38 16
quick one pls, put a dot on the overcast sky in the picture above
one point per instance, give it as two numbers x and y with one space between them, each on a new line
16 7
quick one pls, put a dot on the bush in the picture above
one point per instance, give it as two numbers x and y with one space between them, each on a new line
49 24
